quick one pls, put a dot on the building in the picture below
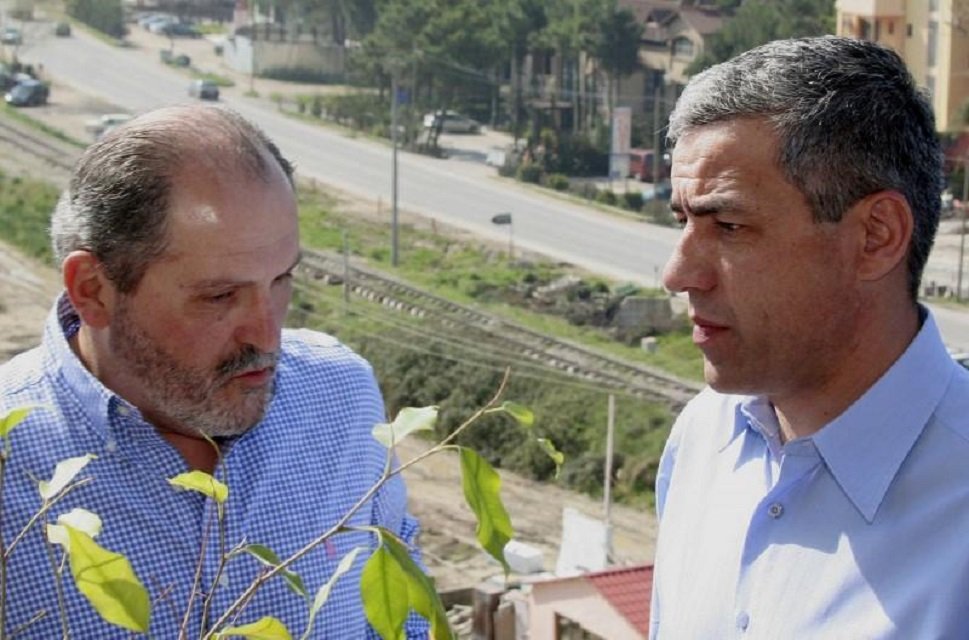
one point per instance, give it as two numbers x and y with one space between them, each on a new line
932 36
612 604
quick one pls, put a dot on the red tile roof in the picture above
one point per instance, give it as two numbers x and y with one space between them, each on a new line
628 590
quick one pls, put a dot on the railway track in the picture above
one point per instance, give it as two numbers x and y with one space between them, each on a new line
503 336
39 145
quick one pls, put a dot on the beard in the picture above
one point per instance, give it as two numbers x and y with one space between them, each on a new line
192 400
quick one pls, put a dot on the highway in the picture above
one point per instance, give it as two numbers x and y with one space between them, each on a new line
463 194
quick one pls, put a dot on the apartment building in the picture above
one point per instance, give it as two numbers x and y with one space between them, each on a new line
932 36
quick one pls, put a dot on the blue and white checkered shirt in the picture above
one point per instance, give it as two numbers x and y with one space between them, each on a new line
290 478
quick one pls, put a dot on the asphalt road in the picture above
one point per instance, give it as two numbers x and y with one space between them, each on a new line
464 194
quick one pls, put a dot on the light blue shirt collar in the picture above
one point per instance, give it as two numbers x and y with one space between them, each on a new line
901 402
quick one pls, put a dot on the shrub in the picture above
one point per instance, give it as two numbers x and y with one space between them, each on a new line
529 172
557 181
605 196
633 200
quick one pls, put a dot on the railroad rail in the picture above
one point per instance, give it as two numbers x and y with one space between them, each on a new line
565 357
38 145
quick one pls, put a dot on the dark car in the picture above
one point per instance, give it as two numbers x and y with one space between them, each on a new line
27 93
180 30
62 29
204 90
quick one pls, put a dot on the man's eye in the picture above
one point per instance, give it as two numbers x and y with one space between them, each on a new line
729 226
220 297
681 222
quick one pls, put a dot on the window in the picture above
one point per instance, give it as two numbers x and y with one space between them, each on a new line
891 27
908 30
933 5
932 42
683 48
566 629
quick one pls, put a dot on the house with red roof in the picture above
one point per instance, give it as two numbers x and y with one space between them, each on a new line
612 604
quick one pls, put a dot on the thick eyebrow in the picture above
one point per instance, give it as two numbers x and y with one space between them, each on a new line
217 283
706 206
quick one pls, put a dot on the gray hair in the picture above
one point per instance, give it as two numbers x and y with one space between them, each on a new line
850 120
116 205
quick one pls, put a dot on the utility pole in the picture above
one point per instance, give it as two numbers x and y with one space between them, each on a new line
962 225
393 171
607 479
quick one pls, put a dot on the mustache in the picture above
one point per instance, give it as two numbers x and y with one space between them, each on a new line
247 359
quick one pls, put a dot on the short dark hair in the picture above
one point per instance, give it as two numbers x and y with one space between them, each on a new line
116 205
850 119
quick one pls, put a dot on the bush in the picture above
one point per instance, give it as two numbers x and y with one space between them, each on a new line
529 172
557 181
605 196
633 200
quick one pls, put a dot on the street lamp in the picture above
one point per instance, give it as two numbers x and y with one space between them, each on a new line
502 219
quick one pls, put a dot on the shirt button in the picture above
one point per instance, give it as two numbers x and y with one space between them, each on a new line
111 446
123 410
224 580
743 620
775 510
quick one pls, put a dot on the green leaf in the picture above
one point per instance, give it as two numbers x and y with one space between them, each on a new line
557 457
481 487
383 587
14 417
80 519
265 628
408 420
268 557
421 593
202 482
519 412
64 473
108 582
324 592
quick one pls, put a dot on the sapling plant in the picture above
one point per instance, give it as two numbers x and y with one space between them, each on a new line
392 584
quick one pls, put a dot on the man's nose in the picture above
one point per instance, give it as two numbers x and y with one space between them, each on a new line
262 325
690 268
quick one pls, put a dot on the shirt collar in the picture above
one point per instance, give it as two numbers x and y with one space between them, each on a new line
865 446
94 399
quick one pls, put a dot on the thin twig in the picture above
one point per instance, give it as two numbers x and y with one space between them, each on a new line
256 584
45 507
37 617
58 587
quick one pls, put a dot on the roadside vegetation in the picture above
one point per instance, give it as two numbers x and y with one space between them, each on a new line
419 365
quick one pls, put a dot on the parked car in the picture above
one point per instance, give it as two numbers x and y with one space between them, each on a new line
102 124
62 29
12 36
204 90
28 93
641 165
180 30
451 122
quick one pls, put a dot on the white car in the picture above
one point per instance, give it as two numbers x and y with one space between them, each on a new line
100 125
453 122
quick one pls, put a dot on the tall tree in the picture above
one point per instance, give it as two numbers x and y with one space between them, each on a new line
760 21
617 48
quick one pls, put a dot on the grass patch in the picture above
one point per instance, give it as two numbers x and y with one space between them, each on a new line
25 208
220 81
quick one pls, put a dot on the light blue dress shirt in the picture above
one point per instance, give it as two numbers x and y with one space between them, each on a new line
290 478
860 531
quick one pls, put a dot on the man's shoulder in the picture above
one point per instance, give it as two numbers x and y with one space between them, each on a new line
21 373
305 349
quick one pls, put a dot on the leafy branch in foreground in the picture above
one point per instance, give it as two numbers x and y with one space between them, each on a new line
392 584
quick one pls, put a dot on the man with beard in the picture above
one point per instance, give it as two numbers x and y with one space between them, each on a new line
819 488
177 239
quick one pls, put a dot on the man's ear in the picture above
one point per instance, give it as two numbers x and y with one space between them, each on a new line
88 287
886 222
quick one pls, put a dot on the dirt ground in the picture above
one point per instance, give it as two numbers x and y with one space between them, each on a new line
27 289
